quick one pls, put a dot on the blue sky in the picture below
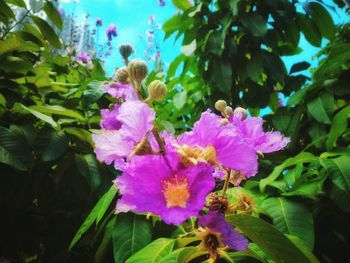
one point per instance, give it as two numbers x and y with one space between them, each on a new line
132 16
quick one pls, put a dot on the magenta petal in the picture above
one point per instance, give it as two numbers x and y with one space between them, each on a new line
272 142
111 146
137 118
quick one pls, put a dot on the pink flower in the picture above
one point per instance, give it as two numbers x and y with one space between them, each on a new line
219 147
158 184
161 3
109 118
136 120
251 130
151 19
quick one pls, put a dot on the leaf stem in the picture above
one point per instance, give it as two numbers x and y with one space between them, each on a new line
8 30
227 181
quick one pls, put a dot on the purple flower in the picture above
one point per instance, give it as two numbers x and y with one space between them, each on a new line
98 22
111 32
122 91
116 146
158 184
109 118
251 130
83 58
280 103
230 237
210 142
161 3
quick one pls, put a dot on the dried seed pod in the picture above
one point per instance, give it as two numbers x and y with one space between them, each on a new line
157 90
126 50
137 70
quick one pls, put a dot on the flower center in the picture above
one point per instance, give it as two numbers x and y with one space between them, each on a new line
176 192
192 155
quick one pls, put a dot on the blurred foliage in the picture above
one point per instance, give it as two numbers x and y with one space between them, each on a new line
49 105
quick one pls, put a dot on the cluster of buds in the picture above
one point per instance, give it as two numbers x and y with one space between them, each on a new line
227 111
135 73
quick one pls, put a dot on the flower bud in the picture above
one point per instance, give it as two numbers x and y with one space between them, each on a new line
157 90
228 111
126 50
137 70
240 112
121 75
223 122
220 105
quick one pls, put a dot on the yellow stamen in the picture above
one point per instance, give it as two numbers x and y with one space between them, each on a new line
176 192
190 156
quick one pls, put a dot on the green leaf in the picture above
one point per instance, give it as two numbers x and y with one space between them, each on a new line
255 68
299 67
339 125
6 10
130 234
276 245
53 14
10 44
14 151
301 245
81 134
215 43
47 31
322 19
179 99
291 217
103 248
38 114
182 4
55 147
339 171
88 167
153 252
309 29
57 110
340 198
303 157
19 3
222 77
95 214
318 108
168 126
255 24
181 255
93 92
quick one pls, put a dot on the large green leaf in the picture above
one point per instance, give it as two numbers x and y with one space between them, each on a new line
95 214
319 106
88 167
47 31
93 92
57 110
130 234
255 24
291 217
39 115
19 3
322 19
14 151
339 125
181 255
6 10
301 245
303 157
182 4
179 99
56 145
309 29
53 14
276 245
339 170
104 246
10 44
153 252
